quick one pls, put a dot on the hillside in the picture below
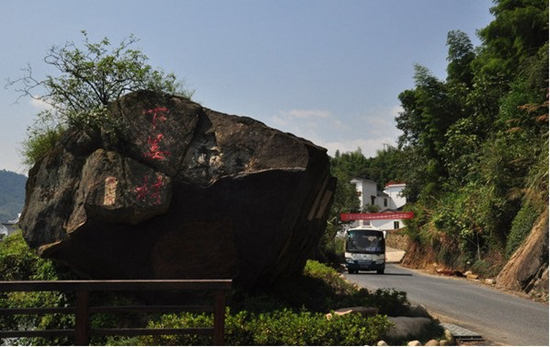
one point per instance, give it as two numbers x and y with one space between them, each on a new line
474 152
12 194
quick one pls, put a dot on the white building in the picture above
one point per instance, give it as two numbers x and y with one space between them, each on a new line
3 231
389 200
394 191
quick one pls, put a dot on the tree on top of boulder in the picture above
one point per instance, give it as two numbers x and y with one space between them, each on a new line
90 78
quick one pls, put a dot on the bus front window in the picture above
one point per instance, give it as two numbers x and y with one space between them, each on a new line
365 241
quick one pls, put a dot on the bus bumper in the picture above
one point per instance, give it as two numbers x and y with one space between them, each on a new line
365 266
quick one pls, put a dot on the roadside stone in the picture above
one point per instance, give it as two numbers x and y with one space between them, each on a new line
449 337
447 272
490 281
443 342
405 327
414 343
365 311
432 343
472 276
468 273
381 343
419 311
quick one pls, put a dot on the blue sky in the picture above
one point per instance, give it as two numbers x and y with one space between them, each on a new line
328 71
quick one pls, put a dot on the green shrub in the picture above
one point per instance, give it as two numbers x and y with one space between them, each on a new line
330 249
39 143
283 327
19 262
521 227
329 276
337 292
488 267
320 289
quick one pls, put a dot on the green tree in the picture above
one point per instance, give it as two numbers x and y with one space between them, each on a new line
90 78
519 29
460 57
476 144
345 167
387 165
428 112
461 152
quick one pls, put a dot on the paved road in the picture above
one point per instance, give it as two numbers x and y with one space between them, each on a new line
499 317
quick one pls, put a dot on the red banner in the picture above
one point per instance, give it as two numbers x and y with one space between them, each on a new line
345 217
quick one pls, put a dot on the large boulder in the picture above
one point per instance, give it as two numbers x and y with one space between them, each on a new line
182 192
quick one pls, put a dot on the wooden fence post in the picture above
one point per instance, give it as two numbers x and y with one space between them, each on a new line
82 328
219 318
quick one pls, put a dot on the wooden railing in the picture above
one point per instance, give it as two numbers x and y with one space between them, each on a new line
82 330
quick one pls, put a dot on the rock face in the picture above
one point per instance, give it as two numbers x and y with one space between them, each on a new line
407 327
183 192
527 269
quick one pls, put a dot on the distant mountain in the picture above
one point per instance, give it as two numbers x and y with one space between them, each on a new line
12 194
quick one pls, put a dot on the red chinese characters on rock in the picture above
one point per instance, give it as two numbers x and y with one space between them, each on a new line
150 191
154 148
159 114
154 152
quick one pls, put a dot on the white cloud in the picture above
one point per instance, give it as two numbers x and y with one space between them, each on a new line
380 120
307 123
370 131
396 110
39 104
296 118
309 114
368 146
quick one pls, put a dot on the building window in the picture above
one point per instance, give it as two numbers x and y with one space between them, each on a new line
385 202
373 200
396 224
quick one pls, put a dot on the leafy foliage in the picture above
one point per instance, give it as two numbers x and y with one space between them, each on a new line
478 142
521 226
91 78
39 143
19 262
320 289
283 327
474 147
293 313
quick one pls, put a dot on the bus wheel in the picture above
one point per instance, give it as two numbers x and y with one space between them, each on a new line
380 271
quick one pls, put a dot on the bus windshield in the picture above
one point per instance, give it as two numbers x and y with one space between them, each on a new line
365 241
